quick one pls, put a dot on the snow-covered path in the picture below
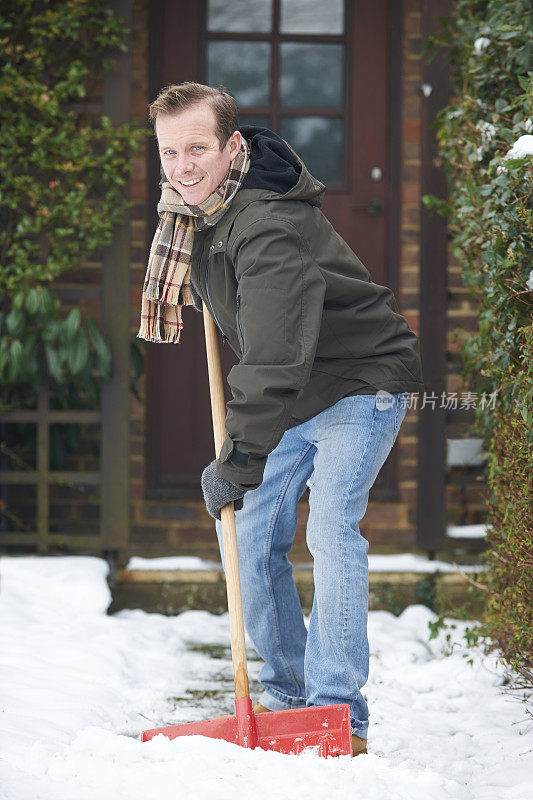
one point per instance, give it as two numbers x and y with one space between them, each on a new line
77 687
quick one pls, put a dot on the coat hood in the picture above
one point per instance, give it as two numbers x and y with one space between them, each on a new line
276 171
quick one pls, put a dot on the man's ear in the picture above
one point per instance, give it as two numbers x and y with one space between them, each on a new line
235 142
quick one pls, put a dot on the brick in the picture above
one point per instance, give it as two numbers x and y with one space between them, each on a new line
411 130
409 280
137 468
412 320
411 193
411 173
192 536
400 538
410 233
409 299
410 215
412 23
171 511
379 515
411 107
151 534
411 152
415 44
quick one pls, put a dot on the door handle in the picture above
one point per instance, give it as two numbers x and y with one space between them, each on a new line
374 207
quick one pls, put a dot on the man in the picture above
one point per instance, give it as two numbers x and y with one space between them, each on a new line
326 365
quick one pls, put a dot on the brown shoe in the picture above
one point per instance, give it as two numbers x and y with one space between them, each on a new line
259 709
358 746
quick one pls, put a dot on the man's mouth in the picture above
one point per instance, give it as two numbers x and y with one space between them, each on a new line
191 183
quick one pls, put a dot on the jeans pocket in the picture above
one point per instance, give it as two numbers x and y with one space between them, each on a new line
402 402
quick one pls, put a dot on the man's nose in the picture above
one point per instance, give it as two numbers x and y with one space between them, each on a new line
182 165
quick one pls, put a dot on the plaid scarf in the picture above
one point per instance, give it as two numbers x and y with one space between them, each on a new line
167 286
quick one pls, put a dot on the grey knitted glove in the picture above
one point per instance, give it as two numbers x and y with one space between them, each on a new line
218 492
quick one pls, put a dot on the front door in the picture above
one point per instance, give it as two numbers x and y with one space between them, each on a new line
316 73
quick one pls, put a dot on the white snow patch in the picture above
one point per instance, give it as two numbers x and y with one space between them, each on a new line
79 686
410 562
488 131
171 562
481 44
467 531
398 562
522 147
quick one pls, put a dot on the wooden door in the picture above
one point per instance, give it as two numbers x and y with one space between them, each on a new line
318 74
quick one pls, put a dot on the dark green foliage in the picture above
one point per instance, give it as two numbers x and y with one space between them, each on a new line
64 171
426 590
489 210
63 175
36 342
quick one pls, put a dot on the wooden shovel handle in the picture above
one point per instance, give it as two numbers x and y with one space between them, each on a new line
229 535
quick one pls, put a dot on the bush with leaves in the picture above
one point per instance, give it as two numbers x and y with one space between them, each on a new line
64 174
35 342
486 145
63 177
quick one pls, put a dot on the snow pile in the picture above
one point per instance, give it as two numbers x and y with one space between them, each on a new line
522 147
172 562
79 686
480 45
397 562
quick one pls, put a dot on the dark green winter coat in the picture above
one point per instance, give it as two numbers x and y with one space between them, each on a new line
296 305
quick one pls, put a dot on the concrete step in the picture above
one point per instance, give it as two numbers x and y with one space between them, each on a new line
171 591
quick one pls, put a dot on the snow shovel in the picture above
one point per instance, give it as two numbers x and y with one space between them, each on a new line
326 729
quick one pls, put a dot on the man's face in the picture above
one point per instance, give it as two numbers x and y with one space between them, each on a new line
190 152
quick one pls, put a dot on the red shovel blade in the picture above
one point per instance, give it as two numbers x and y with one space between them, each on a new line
326 728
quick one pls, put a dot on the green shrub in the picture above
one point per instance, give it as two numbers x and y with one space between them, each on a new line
489 210
64 174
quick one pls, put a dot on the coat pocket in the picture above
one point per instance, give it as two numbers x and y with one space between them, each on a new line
240 332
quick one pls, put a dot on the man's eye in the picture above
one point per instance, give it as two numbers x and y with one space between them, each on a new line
197 147
169 152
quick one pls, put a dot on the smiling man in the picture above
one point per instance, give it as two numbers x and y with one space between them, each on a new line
326 366
193 161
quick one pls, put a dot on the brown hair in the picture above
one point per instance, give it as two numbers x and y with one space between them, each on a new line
177 97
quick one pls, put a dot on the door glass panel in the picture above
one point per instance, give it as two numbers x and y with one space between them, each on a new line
319 143
312 16
259 121
243 68
311 75
240 16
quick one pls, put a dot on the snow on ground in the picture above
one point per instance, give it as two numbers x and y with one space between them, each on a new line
78 686
398 562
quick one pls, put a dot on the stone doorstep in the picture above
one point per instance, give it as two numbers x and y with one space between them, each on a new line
174 591
302 574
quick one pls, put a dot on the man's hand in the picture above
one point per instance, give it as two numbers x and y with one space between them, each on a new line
218 492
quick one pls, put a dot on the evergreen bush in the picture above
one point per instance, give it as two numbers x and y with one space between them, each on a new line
63 189
64 171
486 145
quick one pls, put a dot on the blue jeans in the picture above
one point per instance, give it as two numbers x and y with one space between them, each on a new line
338 454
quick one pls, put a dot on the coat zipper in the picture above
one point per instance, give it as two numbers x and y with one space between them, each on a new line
224 337
239 318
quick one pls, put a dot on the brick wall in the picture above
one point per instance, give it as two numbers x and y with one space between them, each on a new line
465 487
